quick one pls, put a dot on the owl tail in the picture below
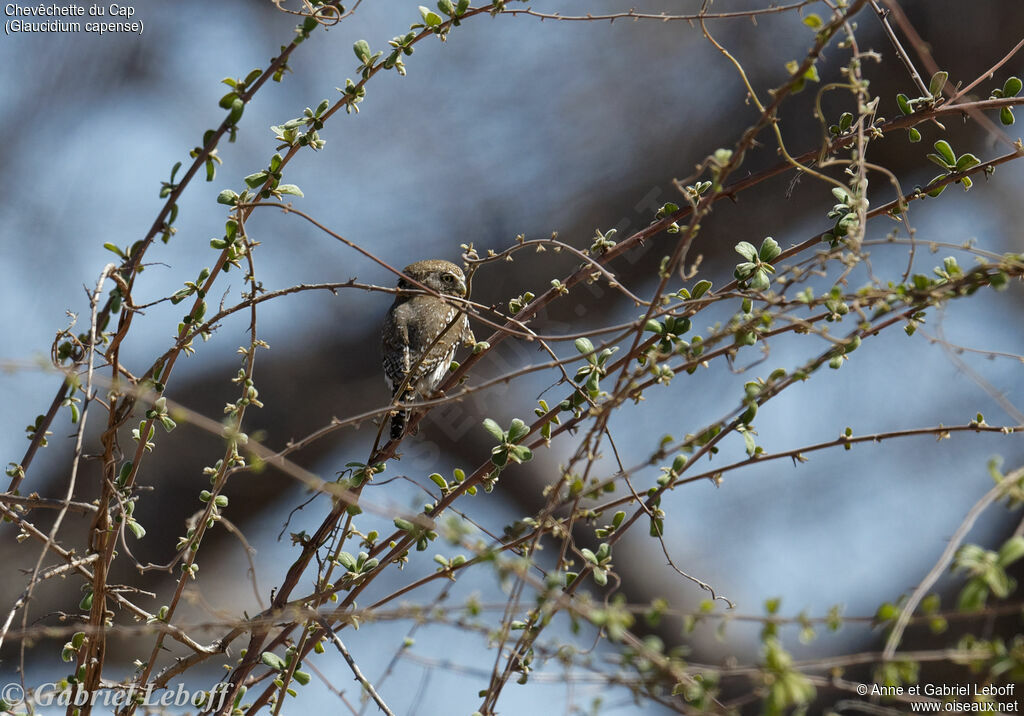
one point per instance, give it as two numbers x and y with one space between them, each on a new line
400 418
398 423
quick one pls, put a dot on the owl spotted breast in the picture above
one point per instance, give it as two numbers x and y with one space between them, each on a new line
412 324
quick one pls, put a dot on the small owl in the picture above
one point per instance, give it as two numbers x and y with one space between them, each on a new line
412 324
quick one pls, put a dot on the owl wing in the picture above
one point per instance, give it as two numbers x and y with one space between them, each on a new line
433 316
395 346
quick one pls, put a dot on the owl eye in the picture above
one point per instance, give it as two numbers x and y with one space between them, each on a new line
447 278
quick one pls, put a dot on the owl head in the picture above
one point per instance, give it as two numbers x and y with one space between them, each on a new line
442 276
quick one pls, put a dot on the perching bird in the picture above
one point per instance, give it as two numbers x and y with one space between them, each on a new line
412 324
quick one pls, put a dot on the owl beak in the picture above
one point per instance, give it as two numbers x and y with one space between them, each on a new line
460 287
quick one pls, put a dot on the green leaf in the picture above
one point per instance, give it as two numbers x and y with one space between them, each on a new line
1006 116
517 431
362 50
904 104
237 108
124 473
938 81
494 429
931 604
938 190
254 181
584 346
748 415
272 660
499 456
1012 87
1011 551
750 445
290 189
973 596
700 289
520 453
746 250
966 161
913 134
813 21
431 18
946 152
769 250
998 581
654 326
759 281
841 195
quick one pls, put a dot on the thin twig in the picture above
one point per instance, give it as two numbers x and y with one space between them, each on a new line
367 686
921 590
